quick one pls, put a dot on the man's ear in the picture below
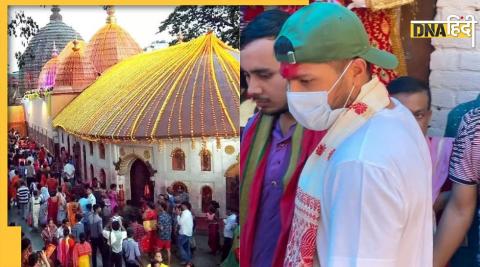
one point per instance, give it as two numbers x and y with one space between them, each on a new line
360 68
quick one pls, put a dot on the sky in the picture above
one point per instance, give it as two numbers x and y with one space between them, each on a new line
140 21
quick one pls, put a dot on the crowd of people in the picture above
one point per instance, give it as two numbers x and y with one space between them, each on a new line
82 223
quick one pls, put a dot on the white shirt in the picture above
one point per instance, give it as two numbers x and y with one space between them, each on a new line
185 221
60 231
376 197
92 199
115 240
31 159
69 169
230 224
11 174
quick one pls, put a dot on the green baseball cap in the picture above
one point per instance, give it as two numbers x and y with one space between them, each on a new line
322 32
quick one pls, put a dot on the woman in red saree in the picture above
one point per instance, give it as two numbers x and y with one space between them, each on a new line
82 253
149 241
14 185
43 179
65 249
52 210
213 230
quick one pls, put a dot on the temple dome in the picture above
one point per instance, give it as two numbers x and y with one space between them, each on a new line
111 44
190 90
40 49
74 70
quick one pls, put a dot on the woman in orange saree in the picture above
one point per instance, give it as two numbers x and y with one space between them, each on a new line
72 210
65 249
82 253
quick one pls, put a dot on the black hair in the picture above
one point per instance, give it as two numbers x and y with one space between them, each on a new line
66 232
266 24
129 232
64 221
187 204
89 207
33 259
95 207
150 205
82 238
116 225
409 85
25 243
78 216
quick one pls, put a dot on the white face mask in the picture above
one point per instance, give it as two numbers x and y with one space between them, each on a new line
311 109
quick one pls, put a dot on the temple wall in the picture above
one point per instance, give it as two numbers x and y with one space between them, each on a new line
455 65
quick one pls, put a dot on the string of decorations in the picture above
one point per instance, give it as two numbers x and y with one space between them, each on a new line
145 98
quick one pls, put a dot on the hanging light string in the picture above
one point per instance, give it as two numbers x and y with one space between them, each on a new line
143 98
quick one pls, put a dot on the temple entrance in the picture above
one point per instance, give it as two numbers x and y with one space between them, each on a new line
139 178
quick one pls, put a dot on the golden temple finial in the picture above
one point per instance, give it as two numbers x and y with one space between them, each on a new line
75 44
111 15
209 30
55 14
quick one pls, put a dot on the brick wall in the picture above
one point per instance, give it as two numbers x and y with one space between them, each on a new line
455 65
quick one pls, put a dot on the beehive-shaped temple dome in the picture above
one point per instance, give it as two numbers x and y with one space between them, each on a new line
74 70
111 44
40 49
46 79
189 90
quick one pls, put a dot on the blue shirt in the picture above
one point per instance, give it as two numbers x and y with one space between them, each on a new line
83 204
130 250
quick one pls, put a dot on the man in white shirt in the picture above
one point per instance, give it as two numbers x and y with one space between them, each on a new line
69 170
364 197
91 197
185 224
11 174
115 239
230 223
31 159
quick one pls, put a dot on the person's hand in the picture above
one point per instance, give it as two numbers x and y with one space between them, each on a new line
43 256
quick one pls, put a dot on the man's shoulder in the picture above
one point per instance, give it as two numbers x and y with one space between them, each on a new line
472 119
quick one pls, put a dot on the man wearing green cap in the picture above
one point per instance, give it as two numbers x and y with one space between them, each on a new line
364 197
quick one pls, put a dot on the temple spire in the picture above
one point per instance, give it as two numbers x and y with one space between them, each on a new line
111 15
55 14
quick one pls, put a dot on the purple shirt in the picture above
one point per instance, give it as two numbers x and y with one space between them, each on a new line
268 214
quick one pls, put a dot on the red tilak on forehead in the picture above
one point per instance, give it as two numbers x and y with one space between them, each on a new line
288 70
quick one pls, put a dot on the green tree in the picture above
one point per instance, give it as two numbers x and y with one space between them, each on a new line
23 27
193 21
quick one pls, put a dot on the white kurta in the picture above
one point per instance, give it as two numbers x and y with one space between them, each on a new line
375 198
35 202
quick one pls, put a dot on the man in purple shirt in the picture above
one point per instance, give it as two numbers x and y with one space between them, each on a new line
267 88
